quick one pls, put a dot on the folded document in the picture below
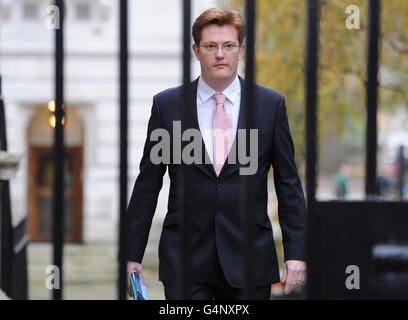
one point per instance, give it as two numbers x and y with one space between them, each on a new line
138 288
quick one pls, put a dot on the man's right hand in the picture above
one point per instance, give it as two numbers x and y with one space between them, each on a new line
133 266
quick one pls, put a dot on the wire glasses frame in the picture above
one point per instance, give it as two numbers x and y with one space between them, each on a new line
226 47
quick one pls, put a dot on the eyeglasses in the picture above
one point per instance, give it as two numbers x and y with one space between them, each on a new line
226 47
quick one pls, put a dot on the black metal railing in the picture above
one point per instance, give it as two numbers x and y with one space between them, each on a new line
123 102
186 220
6 239
373 34
311 65
13 240
247 181
360 234
403 167
59 154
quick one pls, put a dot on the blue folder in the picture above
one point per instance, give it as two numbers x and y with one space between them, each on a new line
139 291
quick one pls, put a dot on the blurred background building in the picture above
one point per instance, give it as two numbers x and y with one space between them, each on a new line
91 129
92 116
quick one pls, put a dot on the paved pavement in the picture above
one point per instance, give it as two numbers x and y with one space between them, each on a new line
90 270
3 296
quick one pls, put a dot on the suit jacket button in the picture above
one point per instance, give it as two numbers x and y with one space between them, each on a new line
218 183
219 213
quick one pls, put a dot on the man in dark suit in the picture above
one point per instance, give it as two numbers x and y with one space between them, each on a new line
217 105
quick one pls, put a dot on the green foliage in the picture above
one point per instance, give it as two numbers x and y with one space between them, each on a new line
280 60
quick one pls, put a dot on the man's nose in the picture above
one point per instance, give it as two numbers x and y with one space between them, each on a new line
220 52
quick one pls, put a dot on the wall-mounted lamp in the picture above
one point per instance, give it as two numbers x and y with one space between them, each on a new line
51 119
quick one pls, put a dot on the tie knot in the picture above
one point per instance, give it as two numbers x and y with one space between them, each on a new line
220 98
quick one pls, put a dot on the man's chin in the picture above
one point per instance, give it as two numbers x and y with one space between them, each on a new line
222 77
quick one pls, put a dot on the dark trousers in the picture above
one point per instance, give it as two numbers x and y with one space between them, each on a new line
217 288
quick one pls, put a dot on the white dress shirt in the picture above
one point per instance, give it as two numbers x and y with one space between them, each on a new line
206 107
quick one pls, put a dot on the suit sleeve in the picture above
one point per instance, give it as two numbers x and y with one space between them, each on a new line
146 190
291 203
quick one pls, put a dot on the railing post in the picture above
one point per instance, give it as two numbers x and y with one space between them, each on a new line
186 222
311 67
123 35
401 172
247 181
311 88
58 182
373 33
6 239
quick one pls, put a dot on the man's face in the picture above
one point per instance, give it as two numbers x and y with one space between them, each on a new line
218 62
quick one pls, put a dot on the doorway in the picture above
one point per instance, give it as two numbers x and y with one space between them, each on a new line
40 194
40 177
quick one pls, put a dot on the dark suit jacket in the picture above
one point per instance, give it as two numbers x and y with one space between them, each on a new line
215 201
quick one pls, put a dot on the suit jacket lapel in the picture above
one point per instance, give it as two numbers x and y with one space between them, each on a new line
230 168
191 121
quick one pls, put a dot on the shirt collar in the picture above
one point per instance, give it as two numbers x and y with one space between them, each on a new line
206 92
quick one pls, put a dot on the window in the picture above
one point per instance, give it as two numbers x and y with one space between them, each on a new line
82 11
4 11
30 11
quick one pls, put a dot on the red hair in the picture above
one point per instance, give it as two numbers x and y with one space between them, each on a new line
219 17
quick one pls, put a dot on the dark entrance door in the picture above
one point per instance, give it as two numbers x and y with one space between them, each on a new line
40 194
358 250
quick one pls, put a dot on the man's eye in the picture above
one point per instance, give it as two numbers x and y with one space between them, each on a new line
229 45
211 46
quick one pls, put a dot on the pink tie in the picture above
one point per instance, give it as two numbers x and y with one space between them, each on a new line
222 133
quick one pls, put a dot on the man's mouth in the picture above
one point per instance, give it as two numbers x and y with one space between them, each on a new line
221 65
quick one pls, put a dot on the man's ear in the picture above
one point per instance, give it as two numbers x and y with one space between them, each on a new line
196 49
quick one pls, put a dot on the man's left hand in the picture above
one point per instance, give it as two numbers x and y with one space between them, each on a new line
293 275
